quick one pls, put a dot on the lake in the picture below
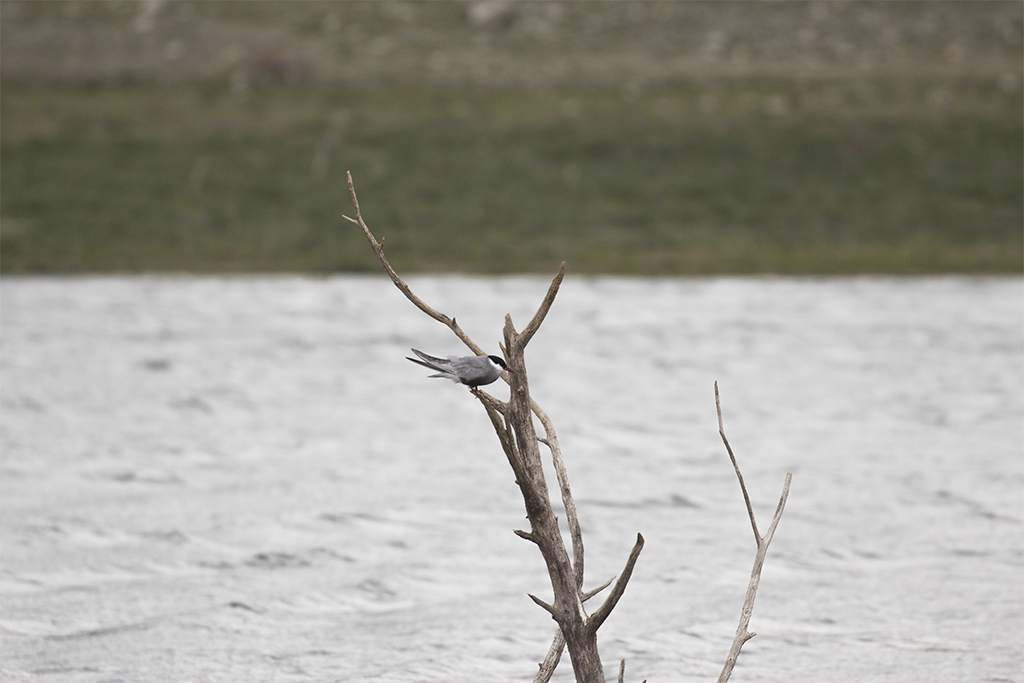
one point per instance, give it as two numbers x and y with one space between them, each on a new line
243 479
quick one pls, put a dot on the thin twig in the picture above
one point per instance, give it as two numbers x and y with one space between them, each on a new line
378 249
551 441
739 475
531 329
622 670
586 595
778 510
742 632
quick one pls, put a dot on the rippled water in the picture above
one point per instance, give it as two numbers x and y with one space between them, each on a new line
242 479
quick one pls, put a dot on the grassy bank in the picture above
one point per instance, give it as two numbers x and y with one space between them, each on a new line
742 176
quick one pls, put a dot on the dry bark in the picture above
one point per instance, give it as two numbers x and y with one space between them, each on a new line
742 634
513 424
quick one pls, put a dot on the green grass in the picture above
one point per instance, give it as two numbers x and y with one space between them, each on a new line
743 178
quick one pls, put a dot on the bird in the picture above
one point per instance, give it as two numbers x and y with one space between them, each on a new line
473 371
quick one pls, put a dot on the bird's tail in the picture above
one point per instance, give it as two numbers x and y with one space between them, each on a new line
434 363
430 361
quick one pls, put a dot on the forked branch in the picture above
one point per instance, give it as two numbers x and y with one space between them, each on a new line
514 427
742 632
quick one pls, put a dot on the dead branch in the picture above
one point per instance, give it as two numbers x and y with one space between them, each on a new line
525 535
550 663
742 634
568 607
602 613
586 595
513 425
531 329
378 249
551 441
514 428
499 406
508 444
739 475
549 608
547 667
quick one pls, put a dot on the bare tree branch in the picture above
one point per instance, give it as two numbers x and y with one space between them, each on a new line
572 619
531 329
547 668
507 440
767 538
739 475
513 425
551 441
378 249
499 406
550 663
549 608
514 428
598 617
586 595
742 634
526 535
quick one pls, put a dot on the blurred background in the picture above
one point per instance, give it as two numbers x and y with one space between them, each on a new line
498 136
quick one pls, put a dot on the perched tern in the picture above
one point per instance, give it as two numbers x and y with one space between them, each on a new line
473 371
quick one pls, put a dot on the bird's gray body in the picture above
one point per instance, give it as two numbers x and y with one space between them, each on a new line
473 371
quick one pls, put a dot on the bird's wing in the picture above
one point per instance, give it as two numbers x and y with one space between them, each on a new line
474 369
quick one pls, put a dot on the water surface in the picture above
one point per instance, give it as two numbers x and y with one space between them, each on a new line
226 479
